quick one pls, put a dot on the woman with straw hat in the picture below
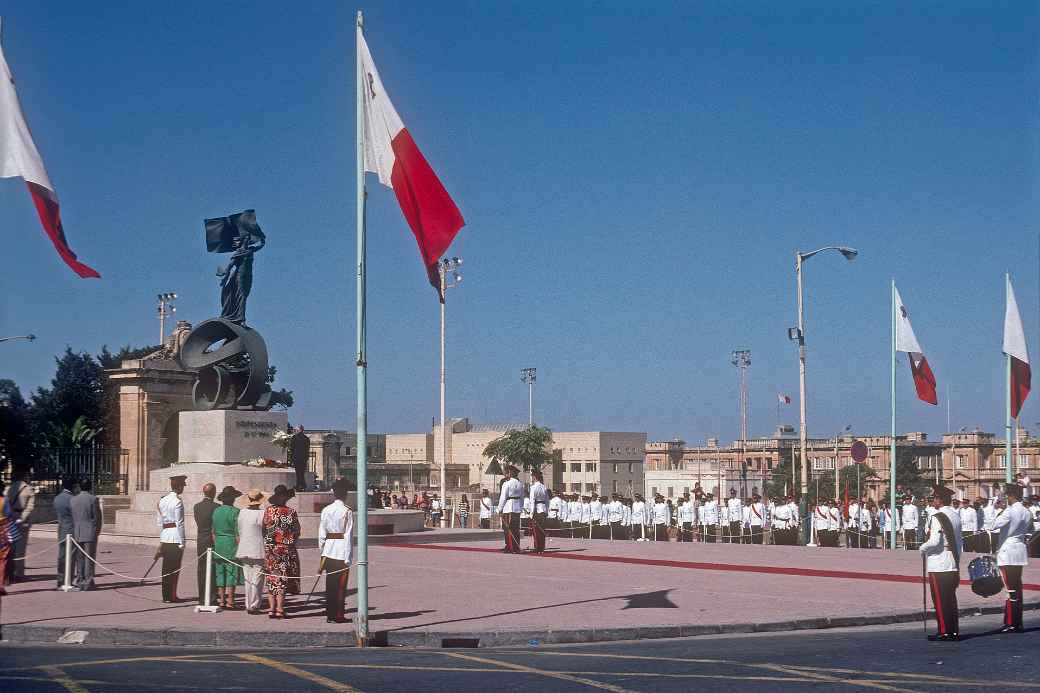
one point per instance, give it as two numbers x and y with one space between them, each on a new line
251 549
225 545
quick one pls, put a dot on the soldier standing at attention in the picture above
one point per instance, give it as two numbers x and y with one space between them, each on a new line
170 518
1013 526
539 507
510 503
910 520
734 516
335 532
942 552
662 519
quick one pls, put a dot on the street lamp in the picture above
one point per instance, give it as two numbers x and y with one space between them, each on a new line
26 337
529 376
741 358
797 334
450 278
164 309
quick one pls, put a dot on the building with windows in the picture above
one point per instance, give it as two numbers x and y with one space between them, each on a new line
971 463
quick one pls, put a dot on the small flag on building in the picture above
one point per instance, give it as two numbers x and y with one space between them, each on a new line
906 340
391 153
19 158
783 399
1015 348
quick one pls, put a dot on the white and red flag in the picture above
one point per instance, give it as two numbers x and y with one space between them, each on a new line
1015 347
19 158
783 399
906 341
391 153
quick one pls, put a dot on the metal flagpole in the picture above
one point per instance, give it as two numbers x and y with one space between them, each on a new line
1007 379
361 621
892 450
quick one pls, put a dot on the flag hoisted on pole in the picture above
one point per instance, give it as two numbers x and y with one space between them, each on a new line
386 148
19 158
1018 374
904 339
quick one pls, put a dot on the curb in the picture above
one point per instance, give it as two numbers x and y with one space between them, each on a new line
39 634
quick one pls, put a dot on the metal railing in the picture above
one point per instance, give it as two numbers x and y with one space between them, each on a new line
103 466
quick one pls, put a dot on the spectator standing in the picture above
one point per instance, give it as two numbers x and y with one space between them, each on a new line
487 509
21 499
250 551
225 543
203 512
86 527
281 559
436 510
9 531
63 515
300 452
464 511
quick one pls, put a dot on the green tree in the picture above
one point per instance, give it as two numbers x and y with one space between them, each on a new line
16 446
108 360
77 390
527 448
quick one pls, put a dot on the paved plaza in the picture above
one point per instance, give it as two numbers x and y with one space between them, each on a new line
469 593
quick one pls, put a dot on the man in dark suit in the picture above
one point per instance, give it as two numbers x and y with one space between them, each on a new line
86 526
203 511
300 452
64 518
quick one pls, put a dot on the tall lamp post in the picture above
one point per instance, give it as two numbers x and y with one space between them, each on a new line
741 358
450 278
797 334
26 337
529 376
164 309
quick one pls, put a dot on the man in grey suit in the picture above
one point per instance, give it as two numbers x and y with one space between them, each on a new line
86 526
63 511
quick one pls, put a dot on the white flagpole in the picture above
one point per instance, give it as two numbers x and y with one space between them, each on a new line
892 450
361 621
1007 378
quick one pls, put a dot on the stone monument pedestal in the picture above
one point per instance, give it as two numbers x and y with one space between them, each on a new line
229 436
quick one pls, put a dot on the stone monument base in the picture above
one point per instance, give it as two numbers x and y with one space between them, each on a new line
228 436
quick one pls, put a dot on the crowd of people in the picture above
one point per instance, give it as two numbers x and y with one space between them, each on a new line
254 547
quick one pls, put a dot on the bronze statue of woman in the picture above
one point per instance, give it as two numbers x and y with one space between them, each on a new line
237 278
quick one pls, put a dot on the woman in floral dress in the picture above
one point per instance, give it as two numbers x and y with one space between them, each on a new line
281 560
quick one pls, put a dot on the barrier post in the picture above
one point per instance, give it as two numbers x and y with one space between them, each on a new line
67 586
208 607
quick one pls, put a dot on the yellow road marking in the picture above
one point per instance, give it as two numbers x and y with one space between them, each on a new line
834 679
540 672
68 683
125 660
151 685
924 677
300 673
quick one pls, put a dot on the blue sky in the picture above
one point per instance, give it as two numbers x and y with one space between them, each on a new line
635 180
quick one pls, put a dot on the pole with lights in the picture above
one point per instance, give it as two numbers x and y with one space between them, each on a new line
164 309
529 376
741 358
797 334
450 278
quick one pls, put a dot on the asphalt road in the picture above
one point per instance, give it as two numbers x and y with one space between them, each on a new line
889 658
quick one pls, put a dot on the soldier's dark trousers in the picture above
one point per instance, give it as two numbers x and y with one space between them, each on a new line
1012 576
336 575
661 532
734 532
909 539
171 563
943 587
711 534
538 531
511 530
756 534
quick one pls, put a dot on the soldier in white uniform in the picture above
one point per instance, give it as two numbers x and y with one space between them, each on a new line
638 519
710 515
852 533
487 509
335 537
910 518
554 518
686 519
821 522
756 519
540 504
510 503
615 512
662 518
584 529
989 518
795 521
1013 526
734 516
596 511
834 526
969 526
170 519
525 517
942 550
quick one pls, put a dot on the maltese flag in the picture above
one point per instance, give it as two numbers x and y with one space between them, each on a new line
906 341
20 159
391 154
1015 347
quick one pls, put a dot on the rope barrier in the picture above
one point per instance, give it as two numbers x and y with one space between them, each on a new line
191 559
275 575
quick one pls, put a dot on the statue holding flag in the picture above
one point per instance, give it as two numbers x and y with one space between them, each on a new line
240 235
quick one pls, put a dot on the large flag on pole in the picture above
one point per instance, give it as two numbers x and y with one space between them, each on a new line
906 341
19 158
1015 347
391 153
